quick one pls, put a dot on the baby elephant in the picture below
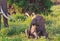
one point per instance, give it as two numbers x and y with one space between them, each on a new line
37 28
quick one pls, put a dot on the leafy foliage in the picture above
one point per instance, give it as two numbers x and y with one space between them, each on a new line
40 6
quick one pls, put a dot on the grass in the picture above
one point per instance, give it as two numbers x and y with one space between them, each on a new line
15 31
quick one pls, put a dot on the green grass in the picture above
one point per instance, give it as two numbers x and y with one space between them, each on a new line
15 31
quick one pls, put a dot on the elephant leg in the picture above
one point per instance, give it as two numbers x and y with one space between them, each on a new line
0 21
45 34
4 7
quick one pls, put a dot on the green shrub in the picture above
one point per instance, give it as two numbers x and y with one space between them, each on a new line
41 7
18 17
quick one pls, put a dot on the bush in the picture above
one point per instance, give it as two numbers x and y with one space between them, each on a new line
40 6
18 17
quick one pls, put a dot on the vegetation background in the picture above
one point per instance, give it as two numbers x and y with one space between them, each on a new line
15 31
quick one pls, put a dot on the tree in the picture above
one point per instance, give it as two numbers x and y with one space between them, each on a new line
33 5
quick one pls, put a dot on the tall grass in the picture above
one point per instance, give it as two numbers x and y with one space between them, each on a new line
15 31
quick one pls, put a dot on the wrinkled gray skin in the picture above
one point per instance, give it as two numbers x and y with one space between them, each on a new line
3 5
40 23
